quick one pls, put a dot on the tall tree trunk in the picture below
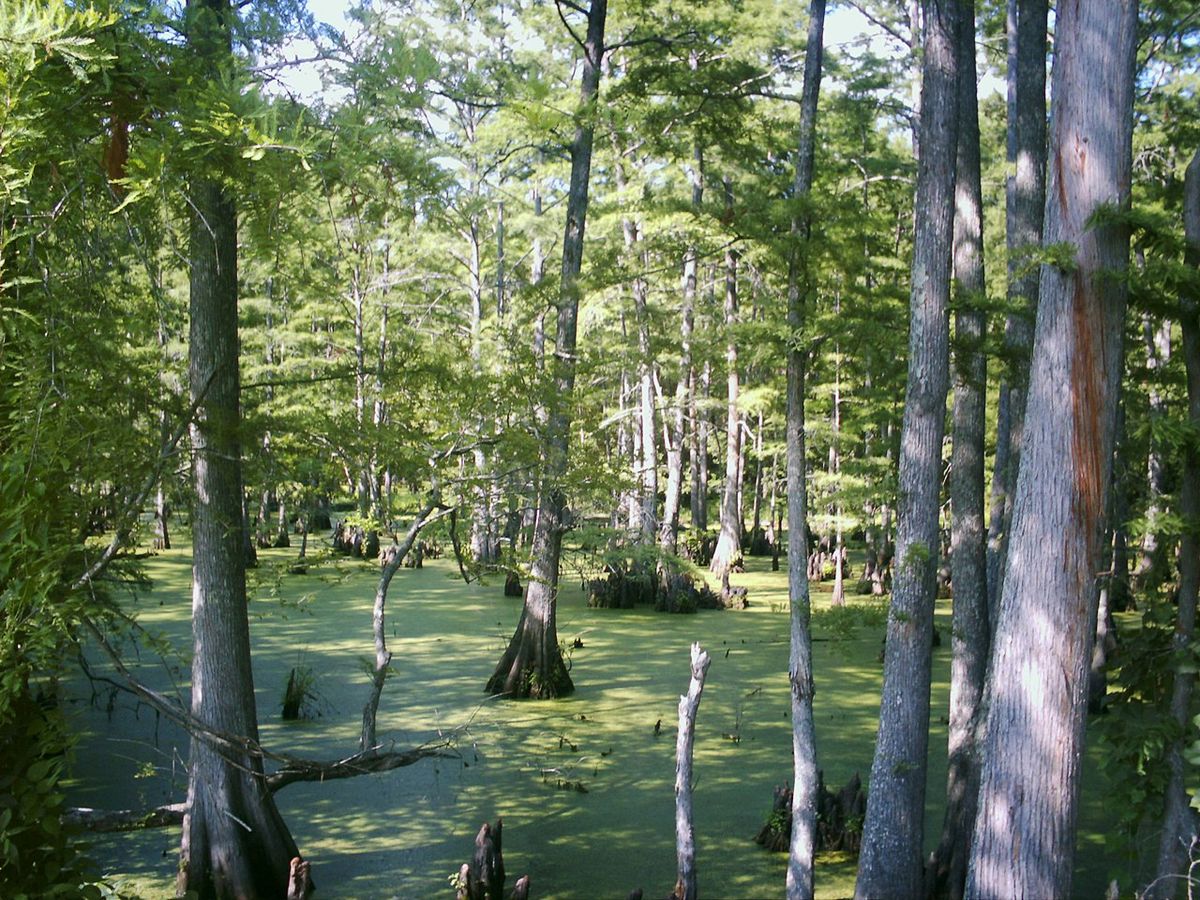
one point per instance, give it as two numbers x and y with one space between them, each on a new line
648 462
802 847
756 508
533 666
891 863
1149 571
631 426
162 533
645 463
969 634
234 841
1029 783
1179 831
1026 200
668 533
838 598
483 546
704 424
728 553
501 288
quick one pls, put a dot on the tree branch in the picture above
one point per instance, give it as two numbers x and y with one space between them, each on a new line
393 557
558 5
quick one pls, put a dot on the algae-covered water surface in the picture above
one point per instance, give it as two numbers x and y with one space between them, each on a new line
584 785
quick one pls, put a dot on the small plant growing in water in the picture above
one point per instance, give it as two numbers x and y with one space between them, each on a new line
301 700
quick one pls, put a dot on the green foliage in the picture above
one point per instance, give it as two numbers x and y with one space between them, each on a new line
38 858
844 623
1138 727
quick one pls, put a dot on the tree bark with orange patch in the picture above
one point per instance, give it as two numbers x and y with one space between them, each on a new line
1029 787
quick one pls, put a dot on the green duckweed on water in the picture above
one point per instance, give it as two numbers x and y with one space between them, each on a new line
584 785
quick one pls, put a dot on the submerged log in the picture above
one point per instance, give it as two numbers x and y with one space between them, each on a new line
107 820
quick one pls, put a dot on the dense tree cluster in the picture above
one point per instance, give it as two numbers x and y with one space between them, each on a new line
679 282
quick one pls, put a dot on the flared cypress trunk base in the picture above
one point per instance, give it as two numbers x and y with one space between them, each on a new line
532 667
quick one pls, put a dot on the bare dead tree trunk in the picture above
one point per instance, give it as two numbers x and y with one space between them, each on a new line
1179 827
1037 688
393 558
685 832
891 863
805 779
533 665
969 634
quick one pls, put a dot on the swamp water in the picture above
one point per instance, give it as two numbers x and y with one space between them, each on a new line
584 785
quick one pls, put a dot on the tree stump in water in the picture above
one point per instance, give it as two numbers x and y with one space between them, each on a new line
483 877
734 597
512 585
300 886
621 589
347 540
839 818
416 556
776 833
666 591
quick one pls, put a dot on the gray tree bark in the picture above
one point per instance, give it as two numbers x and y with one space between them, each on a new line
648 463
1149 571
729 544
802 847
668 533
1179 828
685 738
533 665
891 863
1029 782
234 841
645 460
969 634
704 429
1025 199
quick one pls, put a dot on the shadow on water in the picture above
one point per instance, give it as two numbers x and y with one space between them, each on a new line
584 784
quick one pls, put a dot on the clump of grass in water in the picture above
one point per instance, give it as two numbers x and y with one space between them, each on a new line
301 699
